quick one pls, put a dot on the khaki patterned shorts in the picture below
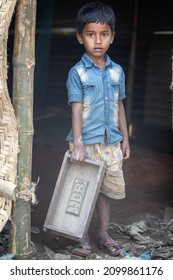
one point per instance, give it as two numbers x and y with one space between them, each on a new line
113 184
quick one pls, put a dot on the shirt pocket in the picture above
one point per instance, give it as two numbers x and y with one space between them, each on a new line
88 93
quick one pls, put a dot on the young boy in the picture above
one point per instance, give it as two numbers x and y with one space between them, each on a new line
96 88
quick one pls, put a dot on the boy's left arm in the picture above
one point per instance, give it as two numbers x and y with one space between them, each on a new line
124 131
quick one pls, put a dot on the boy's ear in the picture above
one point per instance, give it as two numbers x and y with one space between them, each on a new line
79 38
113 37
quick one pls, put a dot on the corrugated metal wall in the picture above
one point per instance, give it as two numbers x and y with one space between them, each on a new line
158 106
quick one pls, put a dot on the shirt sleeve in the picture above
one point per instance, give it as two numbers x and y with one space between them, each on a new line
122 93
73 85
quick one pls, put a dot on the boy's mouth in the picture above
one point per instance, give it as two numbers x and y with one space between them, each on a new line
98 49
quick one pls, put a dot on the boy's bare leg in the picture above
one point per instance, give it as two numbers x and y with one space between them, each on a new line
106 243
103 213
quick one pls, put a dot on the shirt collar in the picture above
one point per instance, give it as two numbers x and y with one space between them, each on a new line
89 63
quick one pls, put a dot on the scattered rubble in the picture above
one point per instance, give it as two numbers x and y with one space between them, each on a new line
149 239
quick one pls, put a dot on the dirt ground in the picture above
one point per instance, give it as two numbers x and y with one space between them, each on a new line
149 191
148 176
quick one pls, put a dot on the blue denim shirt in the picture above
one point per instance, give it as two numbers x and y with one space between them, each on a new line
99 92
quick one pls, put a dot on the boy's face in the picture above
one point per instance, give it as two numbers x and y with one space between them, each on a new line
96 38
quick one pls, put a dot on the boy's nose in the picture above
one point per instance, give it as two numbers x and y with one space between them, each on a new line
98 39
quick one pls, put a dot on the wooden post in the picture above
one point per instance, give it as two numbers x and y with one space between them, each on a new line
171 87
130 78
23 79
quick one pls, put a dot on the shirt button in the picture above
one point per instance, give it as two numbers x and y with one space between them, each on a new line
106 98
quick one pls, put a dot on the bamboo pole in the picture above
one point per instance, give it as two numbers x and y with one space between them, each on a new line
23 79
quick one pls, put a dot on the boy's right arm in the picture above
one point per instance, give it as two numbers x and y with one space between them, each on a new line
78 154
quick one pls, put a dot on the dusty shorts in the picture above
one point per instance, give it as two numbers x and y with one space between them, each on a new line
113 184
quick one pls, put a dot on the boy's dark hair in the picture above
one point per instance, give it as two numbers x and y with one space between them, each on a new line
95 11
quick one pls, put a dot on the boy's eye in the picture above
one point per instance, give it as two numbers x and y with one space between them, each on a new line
105 34
90 34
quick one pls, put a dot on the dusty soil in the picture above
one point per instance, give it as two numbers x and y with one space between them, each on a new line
149 190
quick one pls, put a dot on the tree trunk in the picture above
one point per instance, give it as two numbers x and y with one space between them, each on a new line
23 79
